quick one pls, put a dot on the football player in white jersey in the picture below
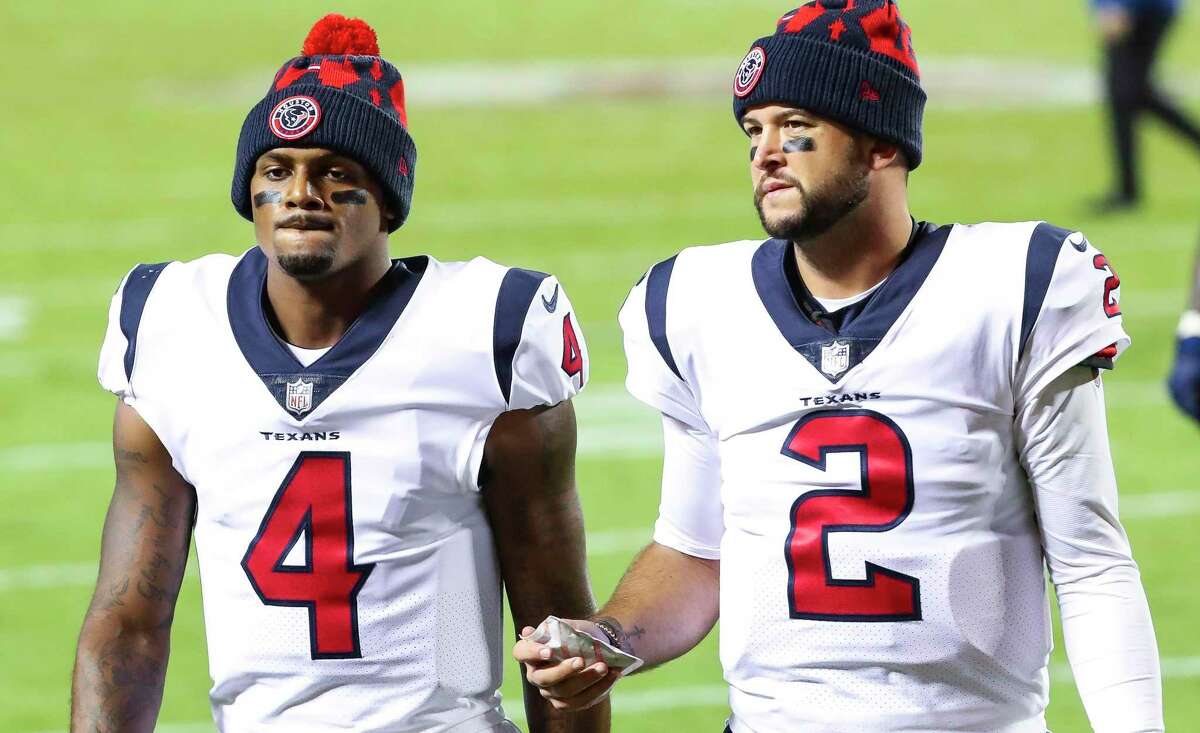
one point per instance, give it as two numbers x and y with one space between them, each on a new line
365 449
878 433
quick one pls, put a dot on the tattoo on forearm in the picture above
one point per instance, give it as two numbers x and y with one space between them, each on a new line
156 530
162 513
624 639
115 597
130 456
123 651
123 682
127 462
157 576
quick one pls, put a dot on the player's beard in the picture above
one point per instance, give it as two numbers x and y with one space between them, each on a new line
307 265
821 206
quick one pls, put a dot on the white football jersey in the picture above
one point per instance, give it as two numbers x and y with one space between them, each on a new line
348 571
881 567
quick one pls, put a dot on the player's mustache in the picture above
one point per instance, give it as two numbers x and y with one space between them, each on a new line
759 193
304 221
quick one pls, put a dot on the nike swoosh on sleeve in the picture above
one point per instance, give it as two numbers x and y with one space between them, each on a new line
551 304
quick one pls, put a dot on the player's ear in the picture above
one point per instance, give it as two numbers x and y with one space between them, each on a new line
883 154
386 217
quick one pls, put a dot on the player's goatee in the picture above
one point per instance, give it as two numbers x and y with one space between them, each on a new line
306 265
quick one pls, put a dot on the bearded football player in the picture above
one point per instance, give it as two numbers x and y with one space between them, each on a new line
878 432
364 448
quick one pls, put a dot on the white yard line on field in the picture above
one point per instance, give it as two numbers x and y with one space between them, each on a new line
951 81
611 424
1160 504
54 457
70 575
35 577
14 317
16 368
688 697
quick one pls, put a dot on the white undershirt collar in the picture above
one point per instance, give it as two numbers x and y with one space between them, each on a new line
833 305
306 357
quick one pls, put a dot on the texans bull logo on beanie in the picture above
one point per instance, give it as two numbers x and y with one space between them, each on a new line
848 60
341 95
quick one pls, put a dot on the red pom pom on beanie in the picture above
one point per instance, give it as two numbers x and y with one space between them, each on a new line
337 35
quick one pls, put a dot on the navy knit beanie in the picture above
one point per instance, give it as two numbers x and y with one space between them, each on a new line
338 94
848 60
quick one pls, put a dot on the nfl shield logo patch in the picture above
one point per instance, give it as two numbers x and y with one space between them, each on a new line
835 358
299 396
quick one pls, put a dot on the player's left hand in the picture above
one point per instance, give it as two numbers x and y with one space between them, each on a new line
569 684
1184 382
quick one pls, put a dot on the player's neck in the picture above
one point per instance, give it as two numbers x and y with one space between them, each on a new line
859 251
314 315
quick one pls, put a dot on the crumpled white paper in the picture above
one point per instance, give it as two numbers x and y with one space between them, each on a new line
565 642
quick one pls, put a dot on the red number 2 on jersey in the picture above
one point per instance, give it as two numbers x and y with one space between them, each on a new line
883 503
313 502
1112 308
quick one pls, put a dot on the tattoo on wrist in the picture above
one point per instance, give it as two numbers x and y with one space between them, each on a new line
616 633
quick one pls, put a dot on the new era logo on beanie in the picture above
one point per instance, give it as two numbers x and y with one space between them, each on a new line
849 60
338 94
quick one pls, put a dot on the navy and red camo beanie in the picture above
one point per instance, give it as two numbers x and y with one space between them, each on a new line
848 60
341 95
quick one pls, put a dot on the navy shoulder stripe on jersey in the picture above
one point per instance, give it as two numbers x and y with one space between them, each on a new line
512 304
133 304
657 283
1044 246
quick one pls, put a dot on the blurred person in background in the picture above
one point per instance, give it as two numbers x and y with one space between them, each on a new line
1133 32
367 449
1184 382
879 433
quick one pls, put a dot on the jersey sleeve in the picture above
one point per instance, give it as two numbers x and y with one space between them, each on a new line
118 353
690 513
654 376
540 354
1071 313
1062 440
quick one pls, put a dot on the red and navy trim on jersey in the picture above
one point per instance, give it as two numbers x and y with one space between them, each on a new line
133 304
512 305
1045 245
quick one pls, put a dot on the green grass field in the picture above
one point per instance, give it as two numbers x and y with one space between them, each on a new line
118 138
